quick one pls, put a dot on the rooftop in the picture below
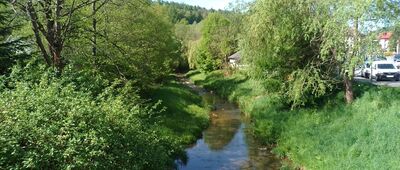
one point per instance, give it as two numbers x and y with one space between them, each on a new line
235 56
385 35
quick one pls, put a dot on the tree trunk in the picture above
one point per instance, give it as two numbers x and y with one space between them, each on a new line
54 25
348 78
94 38
348 83
36 29
58 61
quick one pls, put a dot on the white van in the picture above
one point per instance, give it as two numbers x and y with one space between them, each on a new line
384 70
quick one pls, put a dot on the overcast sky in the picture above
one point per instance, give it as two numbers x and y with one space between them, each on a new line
215 4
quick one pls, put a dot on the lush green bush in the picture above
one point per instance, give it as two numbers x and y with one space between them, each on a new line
53 123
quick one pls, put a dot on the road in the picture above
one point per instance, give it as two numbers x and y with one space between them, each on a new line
379 83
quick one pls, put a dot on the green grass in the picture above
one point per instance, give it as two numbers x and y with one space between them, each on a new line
360 136
236 88
333 135
184 114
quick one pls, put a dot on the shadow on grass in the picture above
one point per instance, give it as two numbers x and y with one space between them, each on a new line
223 86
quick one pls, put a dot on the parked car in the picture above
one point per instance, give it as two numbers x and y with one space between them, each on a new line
366 67
382 70
397 61
366 70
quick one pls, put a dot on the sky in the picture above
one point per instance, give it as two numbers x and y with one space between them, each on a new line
215 4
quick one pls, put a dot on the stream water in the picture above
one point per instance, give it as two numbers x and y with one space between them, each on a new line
227 144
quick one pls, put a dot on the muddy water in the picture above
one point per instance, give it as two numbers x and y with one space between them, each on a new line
227 144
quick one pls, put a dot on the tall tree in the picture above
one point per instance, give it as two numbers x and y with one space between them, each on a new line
217 42
52 22
134 41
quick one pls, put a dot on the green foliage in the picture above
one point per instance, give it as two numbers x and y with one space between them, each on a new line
333 135
394 40
236 88
52 123
10 46
216 44
181 12
185 114
191 53
205 61
93 114
223 28
360 136
263 107
135 41
277 51
307 47
189 35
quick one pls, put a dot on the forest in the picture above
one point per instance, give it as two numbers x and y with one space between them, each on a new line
95 84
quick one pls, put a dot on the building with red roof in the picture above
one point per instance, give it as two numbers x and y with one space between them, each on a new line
384 41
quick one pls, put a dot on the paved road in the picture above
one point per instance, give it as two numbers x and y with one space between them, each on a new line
379 83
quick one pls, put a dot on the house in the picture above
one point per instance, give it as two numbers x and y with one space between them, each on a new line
384 39
234 60
384 42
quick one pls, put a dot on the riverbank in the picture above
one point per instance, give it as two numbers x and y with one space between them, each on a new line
331 135
184 115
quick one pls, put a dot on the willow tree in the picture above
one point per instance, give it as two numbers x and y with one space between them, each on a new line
304 49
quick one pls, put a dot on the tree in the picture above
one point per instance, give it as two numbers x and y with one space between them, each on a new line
52 23
395 39
216 44
179 11
134 41
11 47
303 49
189 35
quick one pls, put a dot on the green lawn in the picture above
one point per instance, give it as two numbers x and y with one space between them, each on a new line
333 135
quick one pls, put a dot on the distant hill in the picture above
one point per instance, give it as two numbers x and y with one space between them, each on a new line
180 11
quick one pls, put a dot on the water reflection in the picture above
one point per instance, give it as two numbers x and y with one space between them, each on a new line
226 143
224 125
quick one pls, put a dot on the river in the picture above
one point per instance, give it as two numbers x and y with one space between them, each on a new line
227 144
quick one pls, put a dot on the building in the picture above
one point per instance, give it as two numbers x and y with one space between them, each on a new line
384 39
234 60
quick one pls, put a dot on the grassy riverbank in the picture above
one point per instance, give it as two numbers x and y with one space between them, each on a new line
331 135
83 121
184 114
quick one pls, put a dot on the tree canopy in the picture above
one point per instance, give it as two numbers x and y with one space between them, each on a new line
11 47
305 48
218 41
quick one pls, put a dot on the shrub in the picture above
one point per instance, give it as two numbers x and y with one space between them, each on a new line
53 124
